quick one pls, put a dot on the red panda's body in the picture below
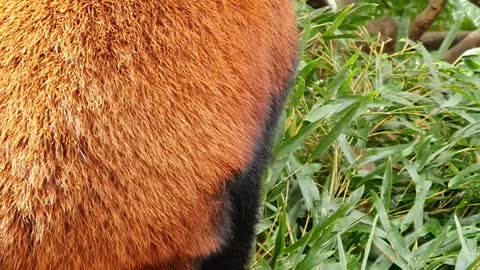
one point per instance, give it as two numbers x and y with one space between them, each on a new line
122 124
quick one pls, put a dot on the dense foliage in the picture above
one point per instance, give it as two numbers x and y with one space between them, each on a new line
377 164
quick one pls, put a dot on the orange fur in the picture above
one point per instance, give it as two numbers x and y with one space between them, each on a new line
120 122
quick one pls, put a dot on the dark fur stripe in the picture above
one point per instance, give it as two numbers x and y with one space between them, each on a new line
244 200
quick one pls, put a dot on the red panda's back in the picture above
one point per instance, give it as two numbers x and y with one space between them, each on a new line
120 122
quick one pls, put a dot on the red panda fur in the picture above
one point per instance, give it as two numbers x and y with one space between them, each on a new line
121 121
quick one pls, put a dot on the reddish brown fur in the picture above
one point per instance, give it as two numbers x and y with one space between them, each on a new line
120 122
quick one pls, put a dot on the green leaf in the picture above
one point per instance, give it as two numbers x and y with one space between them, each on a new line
280 239
337 22
291 145
341 253
307 184
467 254
386 192
369 244
451 35
339 128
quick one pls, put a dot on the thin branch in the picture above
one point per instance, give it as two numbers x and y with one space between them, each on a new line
433 40
470 42
425 19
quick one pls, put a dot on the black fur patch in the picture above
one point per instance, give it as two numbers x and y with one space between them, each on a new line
243 201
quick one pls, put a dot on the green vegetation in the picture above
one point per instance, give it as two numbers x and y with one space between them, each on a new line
377 165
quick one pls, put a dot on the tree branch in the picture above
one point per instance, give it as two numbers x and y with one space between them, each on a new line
433 40
470 42
425 19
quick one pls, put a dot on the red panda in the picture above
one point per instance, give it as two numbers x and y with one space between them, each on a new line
134 133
